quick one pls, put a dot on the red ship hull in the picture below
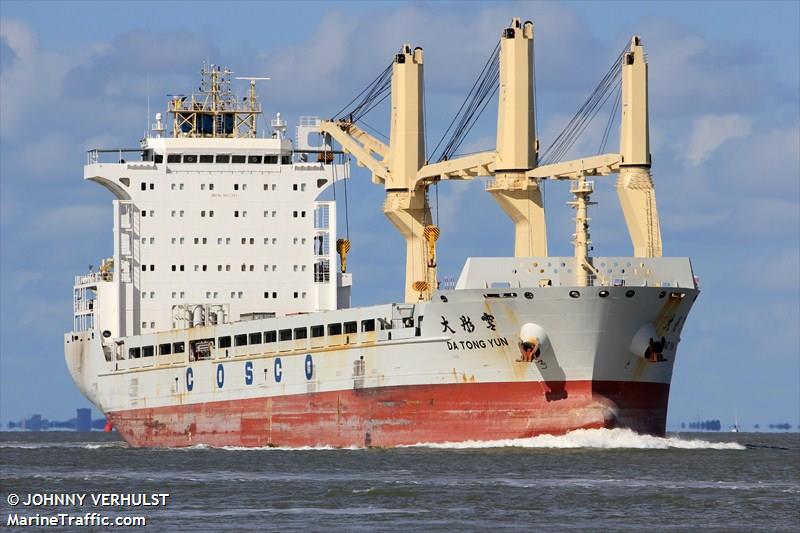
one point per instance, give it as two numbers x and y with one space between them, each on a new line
393 416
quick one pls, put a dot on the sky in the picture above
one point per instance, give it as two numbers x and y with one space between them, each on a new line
725 143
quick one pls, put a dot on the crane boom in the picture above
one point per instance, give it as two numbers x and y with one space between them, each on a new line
400 167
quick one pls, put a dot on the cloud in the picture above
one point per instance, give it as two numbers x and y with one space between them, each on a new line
710 131
344 52
689 73
31 84
52 154
7 55
71 220
130 63
779 271
769 157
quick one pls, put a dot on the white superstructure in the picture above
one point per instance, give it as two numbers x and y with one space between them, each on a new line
212 229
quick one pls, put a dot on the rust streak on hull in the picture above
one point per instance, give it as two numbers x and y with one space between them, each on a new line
392 416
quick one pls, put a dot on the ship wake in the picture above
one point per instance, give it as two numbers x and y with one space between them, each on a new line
593 438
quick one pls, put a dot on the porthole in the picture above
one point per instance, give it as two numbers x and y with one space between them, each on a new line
443 298
630 294
603 293
529 295
574 294
662 294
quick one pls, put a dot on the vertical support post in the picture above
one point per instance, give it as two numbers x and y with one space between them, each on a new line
515 120
407 135
520 198
635 184
406 203
582 190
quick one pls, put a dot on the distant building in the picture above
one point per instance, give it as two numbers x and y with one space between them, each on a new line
82 422
83 419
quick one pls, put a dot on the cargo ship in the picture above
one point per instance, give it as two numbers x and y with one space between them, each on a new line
223 315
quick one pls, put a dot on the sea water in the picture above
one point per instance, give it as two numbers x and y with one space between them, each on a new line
594 480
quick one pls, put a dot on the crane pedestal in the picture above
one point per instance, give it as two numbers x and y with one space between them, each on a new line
410 213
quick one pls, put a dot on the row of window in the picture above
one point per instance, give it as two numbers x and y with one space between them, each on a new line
227 268
210 186
266 337
179 213
220 240
226 158
321 268
336 328
320 241
163 349
234 294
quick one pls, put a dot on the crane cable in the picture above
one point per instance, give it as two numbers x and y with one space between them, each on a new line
585 114
475 102
372 95
611 117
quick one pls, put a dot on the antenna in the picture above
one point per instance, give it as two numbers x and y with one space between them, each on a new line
251 97
147 118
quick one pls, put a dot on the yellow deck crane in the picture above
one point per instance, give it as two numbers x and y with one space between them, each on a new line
401 167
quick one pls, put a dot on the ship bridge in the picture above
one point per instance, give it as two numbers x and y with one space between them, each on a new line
214 221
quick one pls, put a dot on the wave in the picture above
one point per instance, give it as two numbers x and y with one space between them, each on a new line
579 438
75 445
592 438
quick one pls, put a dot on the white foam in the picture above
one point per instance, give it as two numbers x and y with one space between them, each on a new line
593 438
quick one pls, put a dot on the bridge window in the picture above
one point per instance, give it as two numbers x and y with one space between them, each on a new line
255 338
240 340
148 351
134 353
238 159
286 160
285 334
190 158
254 159
178 347
317 331
300 333
174 158
335 329
164 349
269 336
271 159
225 342
206 158
368 325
